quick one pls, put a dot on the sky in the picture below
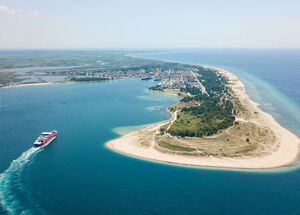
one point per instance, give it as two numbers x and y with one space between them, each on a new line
152 24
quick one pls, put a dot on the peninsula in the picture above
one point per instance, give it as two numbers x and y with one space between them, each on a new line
215 124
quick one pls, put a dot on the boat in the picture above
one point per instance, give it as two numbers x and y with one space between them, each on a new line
45 138
146 78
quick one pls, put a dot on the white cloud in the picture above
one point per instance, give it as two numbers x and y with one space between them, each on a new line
17 12
3 9
9 11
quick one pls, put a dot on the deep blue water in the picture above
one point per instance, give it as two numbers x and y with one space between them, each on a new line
76 174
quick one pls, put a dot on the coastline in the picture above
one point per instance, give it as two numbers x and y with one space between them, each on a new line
285 155
28 85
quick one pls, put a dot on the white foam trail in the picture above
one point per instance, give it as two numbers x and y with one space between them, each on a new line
10 181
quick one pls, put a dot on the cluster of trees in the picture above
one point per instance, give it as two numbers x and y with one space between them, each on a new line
208 124
210 106
192 90
201 131
214 83
157 87
215 110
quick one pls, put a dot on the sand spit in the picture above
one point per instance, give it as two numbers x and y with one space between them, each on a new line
286 154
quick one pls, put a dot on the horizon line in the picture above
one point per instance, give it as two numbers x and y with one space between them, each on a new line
145 49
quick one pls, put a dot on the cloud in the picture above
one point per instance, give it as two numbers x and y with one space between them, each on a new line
8 11
20 13
3 9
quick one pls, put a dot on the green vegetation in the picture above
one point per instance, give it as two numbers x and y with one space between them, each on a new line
49 58
214 112
175 147
7 78
83 79
85 60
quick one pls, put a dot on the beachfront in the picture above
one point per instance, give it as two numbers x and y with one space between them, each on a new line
284 152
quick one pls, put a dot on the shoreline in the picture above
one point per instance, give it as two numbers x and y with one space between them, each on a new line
285 156
28 85
51 83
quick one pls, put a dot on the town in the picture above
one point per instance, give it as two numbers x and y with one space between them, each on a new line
166 79
165 75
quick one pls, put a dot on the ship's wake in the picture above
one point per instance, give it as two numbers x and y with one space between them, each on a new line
11 187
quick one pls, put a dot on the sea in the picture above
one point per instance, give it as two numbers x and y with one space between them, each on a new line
77 174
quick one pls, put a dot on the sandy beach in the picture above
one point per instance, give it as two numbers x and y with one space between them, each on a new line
284 155
28 85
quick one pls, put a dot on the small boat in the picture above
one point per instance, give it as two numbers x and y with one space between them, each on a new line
45 138
146 78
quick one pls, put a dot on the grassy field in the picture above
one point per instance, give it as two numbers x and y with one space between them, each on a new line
175 147
242 139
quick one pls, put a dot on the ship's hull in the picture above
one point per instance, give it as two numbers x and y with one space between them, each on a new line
46 143
45 139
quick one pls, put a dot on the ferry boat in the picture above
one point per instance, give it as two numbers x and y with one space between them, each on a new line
45 138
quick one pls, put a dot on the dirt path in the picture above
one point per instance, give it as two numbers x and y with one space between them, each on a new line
202 88
173 120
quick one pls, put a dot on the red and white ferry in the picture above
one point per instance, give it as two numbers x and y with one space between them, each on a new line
45 138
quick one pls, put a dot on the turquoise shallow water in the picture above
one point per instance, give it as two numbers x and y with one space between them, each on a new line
76 174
